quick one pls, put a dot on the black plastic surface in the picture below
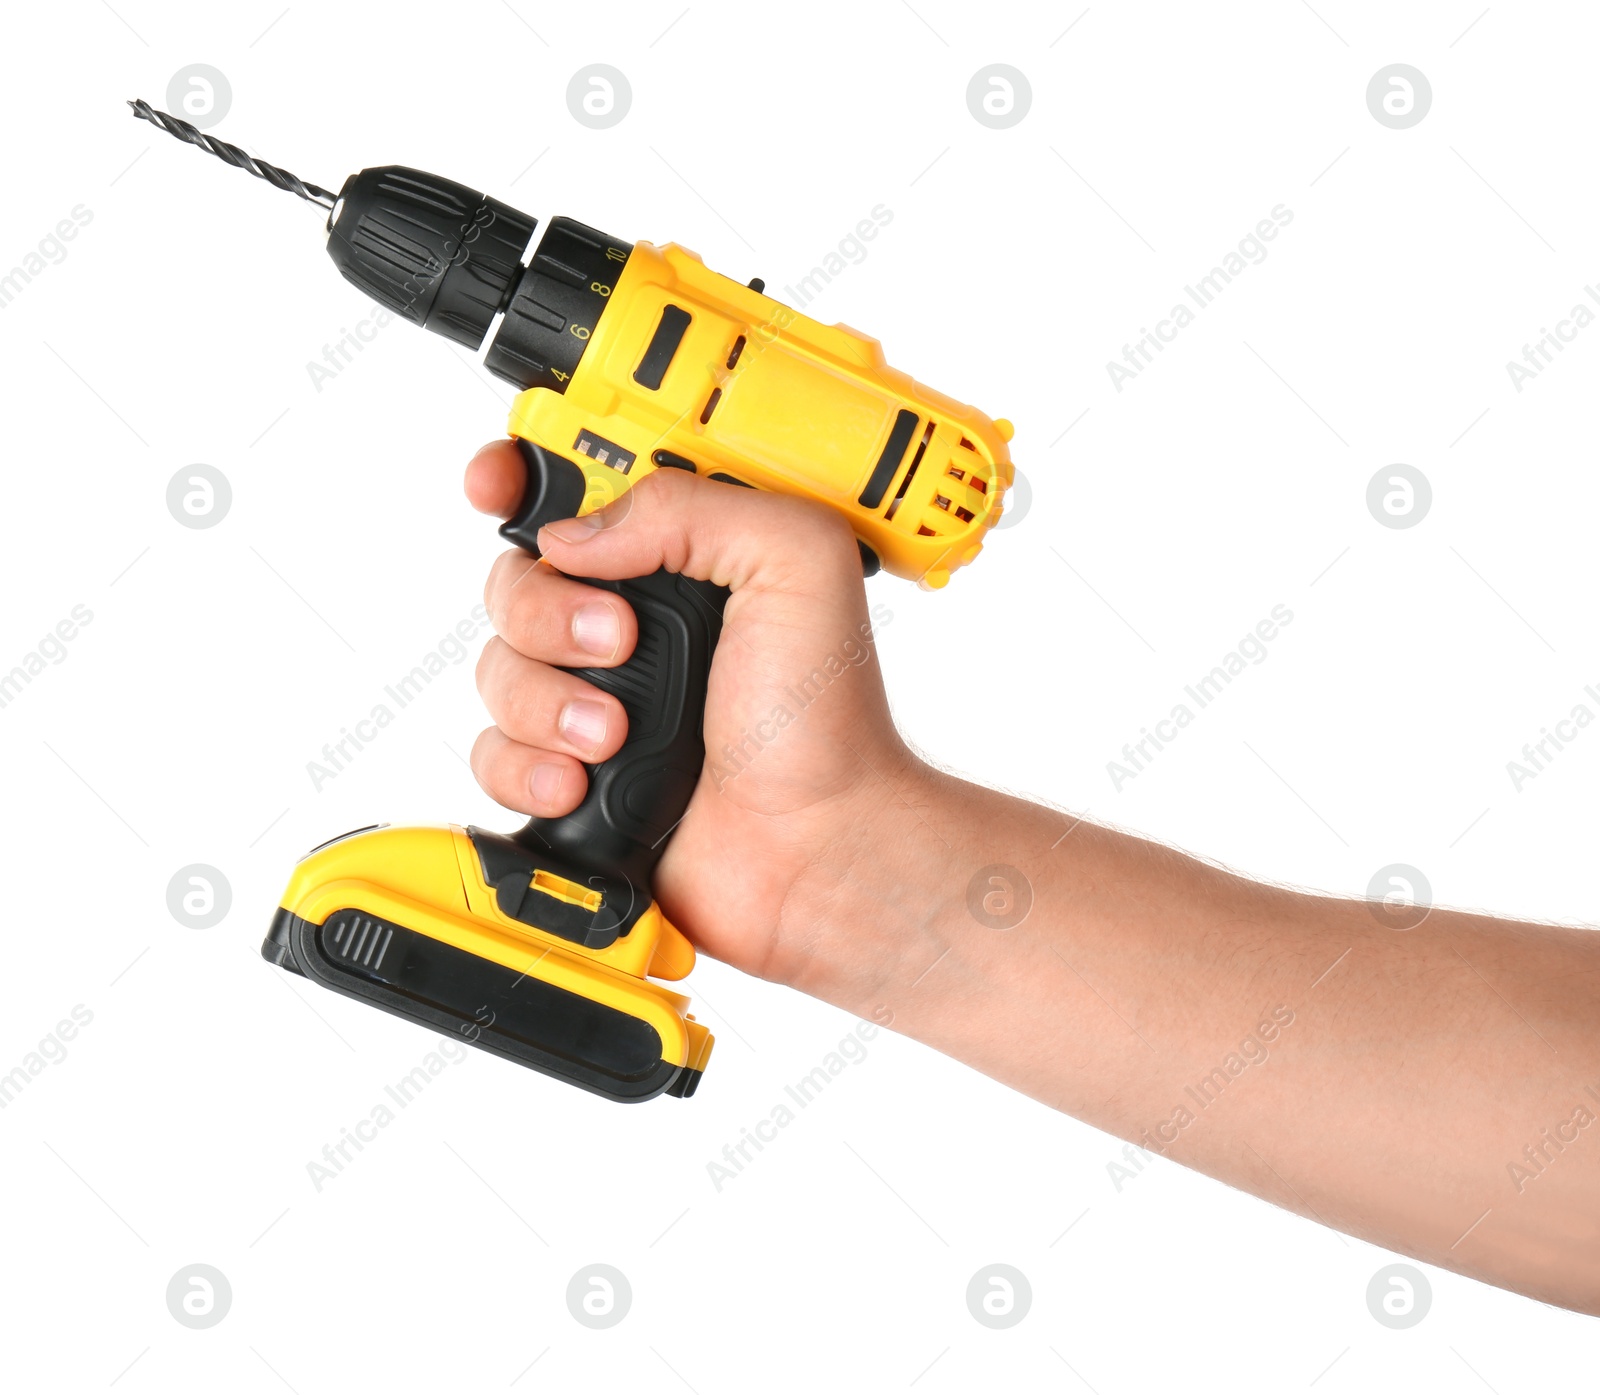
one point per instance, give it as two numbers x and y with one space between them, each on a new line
487 1005
670 329
637 797
557 302
894 451
433 251
509 867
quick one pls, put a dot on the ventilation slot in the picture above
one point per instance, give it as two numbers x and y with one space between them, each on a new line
711 405
922 446
738 348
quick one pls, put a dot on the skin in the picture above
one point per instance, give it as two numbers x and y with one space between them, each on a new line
1422 1088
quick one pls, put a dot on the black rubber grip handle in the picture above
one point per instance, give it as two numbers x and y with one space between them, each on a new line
613 840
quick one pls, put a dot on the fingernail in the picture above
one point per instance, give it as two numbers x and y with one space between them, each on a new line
546 782
596 629
583 723
574 530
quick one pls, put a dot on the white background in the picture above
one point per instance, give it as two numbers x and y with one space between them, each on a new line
1229 478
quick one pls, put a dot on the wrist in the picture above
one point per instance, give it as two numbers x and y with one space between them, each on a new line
876 905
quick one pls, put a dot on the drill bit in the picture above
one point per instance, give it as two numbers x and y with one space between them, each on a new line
279 178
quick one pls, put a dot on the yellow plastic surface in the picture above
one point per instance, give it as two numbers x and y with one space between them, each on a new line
430 880
805 408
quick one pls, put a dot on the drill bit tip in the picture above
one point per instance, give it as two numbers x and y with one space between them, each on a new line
233 155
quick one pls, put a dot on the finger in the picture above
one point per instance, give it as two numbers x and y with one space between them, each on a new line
547 616
544 707
710 531
496 478
545 783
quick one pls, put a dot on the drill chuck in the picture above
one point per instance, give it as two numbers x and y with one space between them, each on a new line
450 259
429 249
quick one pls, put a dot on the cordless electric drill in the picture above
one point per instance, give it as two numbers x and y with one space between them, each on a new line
541 946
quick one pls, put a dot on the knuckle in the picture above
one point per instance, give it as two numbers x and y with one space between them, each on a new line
662 489
827 535
523 617
539 713
497 586
483 761
662 483
500 787
826 522
488 664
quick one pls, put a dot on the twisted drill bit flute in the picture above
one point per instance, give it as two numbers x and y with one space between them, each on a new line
279 178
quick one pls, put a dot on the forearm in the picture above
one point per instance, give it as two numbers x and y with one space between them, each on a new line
1424 1089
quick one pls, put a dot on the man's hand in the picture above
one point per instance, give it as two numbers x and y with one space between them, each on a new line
796 766
1429 1090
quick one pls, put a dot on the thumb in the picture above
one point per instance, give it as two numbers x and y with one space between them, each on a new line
723 533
